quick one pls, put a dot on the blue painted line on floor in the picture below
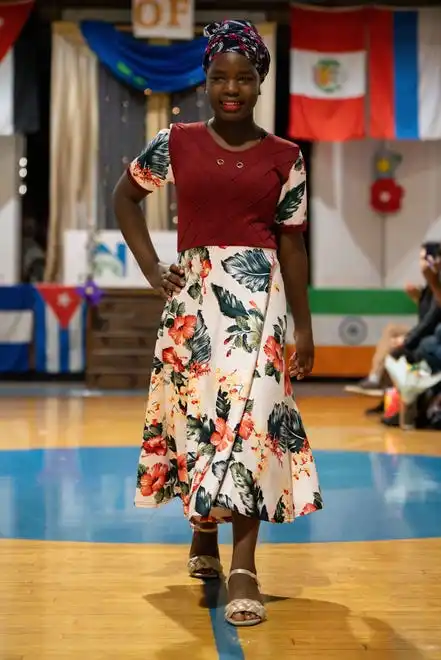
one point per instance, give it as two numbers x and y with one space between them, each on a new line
226 637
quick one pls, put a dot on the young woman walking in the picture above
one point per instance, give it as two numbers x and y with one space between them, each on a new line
222 430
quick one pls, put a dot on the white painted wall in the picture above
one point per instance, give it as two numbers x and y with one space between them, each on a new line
11 150
7 94
352 246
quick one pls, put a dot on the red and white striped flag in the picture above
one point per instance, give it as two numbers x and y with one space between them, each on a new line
328 74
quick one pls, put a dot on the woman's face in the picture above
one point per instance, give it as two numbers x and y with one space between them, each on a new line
233 87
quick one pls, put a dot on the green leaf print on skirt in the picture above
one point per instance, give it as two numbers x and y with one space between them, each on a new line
197 261
203 502
285 428
222 429
229 304
249 491
251 268
246 332
199 344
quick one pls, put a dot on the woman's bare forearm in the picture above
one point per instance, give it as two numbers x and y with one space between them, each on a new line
294 267
131 221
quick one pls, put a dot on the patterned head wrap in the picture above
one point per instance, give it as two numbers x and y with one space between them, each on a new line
237 37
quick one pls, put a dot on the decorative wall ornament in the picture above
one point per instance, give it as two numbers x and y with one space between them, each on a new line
386 194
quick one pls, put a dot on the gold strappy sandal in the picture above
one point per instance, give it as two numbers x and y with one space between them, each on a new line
245 605
200 563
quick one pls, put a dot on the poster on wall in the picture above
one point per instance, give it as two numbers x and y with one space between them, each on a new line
113 264
163 19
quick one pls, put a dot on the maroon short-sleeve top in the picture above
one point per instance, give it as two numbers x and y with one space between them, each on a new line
226 197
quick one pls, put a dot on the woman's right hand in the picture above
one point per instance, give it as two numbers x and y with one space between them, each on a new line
167 279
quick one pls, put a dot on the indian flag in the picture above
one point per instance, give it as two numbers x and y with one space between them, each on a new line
328 74
348 324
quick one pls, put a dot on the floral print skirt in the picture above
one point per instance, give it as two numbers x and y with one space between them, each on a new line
222 430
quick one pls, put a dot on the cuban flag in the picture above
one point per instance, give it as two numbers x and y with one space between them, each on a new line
405 74
60 329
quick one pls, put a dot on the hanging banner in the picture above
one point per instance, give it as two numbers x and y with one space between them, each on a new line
144 65
13 15
163 19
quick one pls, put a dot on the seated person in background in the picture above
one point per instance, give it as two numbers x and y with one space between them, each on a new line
429 350
429 402
33 256
398 340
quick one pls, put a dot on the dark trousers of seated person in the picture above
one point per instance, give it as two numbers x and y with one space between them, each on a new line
429 350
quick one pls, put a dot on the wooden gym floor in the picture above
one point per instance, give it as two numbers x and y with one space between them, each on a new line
84 575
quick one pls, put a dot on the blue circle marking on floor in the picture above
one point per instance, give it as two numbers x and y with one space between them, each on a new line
87 495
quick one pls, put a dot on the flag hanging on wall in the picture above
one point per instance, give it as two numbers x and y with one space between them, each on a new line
19 31
15 328
405 74
328 74
60 329
13 15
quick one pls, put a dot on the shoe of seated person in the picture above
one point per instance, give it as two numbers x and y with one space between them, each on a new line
365 387
393 421
376 410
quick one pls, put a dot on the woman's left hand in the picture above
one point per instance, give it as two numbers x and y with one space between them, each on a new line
302 360
168 280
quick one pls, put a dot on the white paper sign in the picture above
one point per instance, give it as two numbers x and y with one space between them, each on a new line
163 19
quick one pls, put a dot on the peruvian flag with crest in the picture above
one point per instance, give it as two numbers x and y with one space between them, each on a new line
328 74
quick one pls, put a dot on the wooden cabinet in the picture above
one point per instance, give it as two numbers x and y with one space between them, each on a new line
121 336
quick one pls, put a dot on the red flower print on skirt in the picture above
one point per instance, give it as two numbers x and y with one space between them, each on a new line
153 480
275 353
182 328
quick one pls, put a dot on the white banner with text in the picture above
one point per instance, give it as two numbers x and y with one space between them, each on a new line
163 19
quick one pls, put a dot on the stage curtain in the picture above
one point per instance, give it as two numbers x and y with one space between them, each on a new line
74 140
266 105
157 118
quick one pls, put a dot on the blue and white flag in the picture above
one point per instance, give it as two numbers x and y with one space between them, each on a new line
15 327
60 329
